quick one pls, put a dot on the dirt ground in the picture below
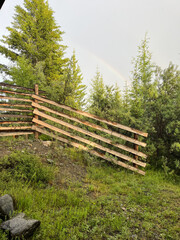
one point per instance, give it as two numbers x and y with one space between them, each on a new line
69 170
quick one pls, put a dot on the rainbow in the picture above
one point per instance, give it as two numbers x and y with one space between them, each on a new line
109 67
100 62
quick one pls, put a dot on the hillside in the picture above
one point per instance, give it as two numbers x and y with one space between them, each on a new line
76 196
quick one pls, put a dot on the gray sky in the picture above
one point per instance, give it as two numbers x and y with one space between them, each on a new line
106 33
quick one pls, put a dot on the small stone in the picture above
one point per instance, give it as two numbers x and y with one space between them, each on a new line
123 208
50 161
47 143
20 227
6 206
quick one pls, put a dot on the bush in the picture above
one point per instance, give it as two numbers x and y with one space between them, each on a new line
22 165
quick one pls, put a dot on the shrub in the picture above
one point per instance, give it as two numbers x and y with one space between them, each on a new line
25 166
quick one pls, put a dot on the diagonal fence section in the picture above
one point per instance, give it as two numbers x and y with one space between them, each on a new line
24 112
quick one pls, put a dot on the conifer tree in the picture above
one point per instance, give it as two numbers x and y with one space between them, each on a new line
126 106
143 89
34 46
166 119
113 103
97 95
73 89
105 101
155 107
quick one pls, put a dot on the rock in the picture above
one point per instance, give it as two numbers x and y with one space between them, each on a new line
50 161
47 143
20 227
123 208
6 206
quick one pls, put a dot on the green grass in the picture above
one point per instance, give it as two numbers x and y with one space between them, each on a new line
110 203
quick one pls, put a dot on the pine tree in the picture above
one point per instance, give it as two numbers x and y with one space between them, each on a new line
34 46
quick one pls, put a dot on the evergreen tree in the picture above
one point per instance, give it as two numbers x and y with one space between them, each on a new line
73 89
155 108
143 89
113 104
105 101
34 46
166 119
97 95
126 107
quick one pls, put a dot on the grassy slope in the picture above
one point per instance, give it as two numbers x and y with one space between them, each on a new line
108 203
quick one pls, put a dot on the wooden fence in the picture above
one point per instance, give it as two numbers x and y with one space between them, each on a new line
35 114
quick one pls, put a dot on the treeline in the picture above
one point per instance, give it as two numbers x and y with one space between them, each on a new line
151 103
35 48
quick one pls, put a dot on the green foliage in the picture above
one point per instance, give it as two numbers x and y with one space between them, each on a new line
143 88
105 101
24 74
72 90
110 203
34 46
151 104
165 118
24 166
35 37
155 107
97 95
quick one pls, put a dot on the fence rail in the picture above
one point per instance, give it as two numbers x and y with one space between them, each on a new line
35 114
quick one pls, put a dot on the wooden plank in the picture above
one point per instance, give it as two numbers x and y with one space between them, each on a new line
15 105
82 147
15 110
14 116
91 125
13 92
14 122
5 134
114 124
36 90
16 99
89 143
88 133
19 87
117 162
136 148
15 128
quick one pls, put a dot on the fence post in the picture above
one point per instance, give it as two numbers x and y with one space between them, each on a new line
136 148
36 91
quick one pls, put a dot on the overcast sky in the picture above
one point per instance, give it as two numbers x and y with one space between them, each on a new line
106 33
